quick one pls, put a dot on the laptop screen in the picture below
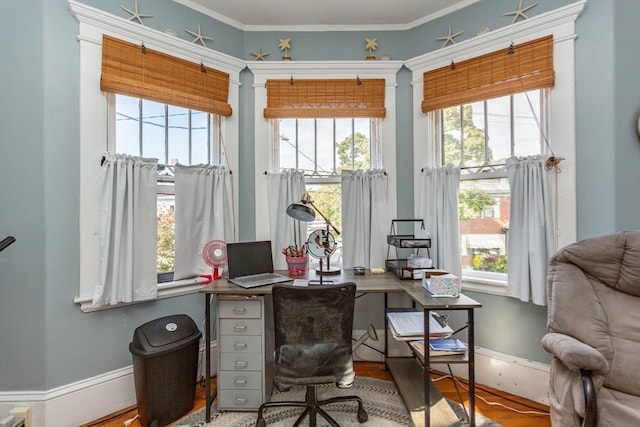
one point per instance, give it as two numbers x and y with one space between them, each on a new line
246 258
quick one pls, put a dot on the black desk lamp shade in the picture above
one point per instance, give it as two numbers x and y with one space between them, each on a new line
301 212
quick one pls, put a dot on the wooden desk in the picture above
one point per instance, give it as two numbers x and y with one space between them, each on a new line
369 283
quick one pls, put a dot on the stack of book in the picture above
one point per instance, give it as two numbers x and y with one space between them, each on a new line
440 347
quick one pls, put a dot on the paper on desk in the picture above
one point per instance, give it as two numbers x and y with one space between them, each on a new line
300 282
410 324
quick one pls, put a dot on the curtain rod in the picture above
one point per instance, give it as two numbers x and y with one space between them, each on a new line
558 159
267 173
103 159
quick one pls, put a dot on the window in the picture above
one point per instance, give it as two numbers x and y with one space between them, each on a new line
322 148
97 122
479 137
559 102
267 143
172 135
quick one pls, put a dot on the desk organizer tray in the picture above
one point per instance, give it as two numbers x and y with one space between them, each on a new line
407 241
401 269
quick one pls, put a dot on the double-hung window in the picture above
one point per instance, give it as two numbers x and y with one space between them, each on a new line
322 127
490 107
161 107
172 134
323 136
177 109
479 137
322 148
508 93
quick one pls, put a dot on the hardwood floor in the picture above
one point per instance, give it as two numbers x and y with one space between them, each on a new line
503 408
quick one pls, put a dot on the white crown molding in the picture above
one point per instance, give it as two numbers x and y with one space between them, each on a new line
549 22
152 38
212 14
317 28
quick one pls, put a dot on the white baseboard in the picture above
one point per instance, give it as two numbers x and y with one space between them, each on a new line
507 373
95 397
86 400
76 403
501 371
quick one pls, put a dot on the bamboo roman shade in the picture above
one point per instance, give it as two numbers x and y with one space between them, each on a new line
519 68
311 98
133 70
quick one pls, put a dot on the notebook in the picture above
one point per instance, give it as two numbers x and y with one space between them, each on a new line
250 264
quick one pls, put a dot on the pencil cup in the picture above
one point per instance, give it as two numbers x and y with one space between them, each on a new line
297 265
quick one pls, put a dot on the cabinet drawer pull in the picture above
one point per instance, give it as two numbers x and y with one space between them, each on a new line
240 399
239 310
239 345
241 364
240 327
240 381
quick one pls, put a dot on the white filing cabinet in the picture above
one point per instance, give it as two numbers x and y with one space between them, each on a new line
245 343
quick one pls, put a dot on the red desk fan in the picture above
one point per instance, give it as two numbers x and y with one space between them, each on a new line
214 255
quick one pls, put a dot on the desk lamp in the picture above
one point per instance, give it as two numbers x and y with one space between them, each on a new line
321 243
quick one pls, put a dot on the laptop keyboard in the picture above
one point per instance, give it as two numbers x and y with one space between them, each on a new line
257 278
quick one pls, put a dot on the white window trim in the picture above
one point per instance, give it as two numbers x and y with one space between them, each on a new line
93 125
264 141
559 22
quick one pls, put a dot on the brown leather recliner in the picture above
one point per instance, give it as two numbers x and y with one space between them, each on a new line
593 323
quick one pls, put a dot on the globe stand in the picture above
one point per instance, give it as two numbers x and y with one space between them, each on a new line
329 270
321 244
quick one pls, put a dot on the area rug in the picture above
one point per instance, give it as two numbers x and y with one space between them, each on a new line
381 400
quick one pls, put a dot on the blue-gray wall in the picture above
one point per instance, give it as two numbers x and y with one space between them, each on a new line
46 342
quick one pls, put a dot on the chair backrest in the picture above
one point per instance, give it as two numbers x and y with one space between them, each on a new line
593 292
313 333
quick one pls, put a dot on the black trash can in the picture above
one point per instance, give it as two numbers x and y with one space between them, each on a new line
165 364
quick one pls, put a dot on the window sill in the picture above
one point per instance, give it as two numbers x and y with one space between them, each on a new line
165 290
484 285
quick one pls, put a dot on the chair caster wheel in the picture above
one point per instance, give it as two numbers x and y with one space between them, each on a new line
261 423
362 416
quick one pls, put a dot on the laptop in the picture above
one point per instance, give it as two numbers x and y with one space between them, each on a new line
250 264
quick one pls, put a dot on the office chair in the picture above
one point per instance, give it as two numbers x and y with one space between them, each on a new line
313 328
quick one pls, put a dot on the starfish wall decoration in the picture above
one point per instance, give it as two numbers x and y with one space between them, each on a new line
519 13
260 55
198 36
135 14
449 38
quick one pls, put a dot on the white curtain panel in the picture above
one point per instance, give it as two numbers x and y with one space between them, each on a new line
283 189
127 270
204 212
438 208
530 238
365 218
